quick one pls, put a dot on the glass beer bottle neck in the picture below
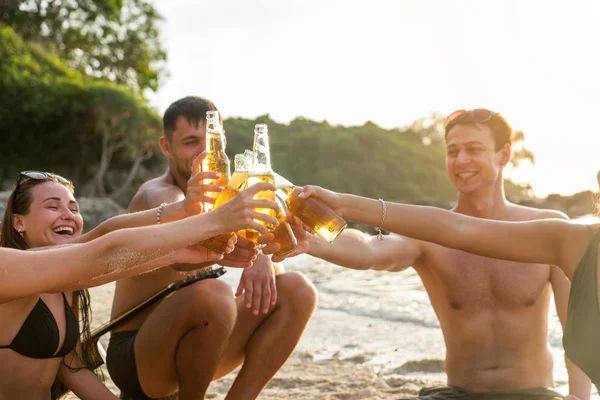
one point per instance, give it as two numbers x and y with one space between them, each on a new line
214 143
261 151
213 122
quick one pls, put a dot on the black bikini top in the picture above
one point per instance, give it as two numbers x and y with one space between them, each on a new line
39 337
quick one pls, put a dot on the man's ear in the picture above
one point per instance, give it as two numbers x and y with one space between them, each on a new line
505 154
598 177
165 146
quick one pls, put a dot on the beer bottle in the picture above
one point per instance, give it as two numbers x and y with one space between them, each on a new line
283 232
238 180
312 212
247 158
236 184
261 171
216 160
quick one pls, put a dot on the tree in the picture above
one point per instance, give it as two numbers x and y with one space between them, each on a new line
126 125
116 40
53 119
520 152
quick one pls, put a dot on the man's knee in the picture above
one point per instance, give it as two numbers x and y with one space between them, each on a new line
295 289
209 300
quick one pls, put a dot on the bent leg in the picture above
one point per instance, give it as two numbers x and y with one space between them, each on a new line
180 344
264 342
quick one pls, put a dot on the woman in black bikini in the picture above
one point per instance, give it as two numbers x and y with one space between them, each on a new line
41 292
572 246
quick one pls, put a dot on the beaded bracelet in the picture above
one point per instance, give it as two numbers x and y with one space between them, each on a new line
158 212
383 213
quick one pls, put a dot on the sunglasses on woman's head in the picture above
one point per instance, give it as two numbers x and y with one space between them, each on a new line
477 115
41 176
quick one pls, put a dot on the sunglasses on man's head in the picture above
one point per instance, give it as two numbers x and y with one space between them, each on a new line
477 115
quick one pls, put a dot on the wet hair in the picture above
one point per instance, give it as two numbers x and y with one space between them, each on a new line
192 108
502 132
19 202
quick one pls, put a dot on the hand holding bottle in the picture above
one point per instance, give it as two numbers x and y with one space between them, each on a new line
198 190
242 255
301 232
215 159
330 198
241 211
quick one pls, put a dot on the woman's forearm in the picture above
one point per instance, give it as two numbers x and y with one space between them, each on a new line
420 222
126 251
24 273
138 248
537 241
85 384
170 212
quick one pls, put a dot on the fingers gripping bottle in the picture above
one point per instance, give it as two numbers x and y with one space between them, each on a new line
216 161
312 212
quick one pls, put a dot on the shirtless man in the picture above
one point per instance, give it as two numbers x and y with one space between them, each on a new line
203 332
494 317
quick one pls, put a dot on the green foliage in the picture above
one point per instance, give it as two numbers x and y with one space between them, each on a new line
405 164
55 118
366 160
520 152
52 118
116 40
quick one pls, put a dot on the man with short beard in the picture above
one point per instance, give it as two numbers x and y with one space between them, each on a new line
203 332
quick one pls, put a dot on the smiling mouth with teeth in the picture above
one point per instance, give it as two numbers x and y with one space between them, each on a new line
64 230
466 174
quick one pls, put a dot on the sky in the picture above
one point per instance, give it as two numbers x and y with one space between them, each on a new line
394 61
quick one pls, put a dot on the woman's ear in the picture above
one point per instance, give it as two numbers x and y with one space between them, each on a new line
18 223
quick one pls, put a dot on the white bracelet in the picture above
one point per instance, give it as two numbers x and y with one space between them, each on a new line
383 214
158 212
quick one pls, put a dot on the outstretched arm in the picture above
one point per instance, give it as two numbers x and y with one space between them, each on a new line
546 241
352 249
178 207
357 250
126 251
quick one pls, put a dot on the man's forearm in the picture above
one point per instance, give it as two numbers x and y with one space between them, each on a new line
351 249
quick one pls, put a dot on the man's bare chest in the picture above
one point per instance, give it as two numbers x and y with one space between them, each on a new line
464 279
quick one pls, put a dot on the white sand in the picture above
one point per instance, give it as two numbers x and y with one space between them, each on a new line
302 377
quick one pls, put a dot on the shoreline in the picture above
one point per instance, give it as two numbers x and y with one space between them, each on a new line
353 347
308 374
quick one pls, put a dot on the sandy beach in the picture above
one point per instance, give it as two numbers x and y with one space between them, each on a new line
373 336
308 373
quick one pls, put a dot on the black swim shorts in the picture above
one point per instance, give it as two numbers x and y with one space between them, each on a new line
120 361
